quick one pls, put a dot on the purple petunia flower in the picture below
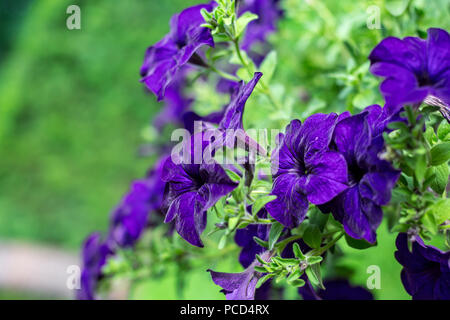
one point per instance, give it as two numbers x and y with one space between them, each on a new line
94 255
307 171
370 179
426 270
191 189
176 104
413 68
164 59
242 285
339 289
130 218
235 111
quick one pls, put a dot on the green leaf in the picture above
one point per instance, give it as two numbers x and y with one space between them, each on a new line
222 242
313 236
396 7
260 203
233 175
357 243
420 168
314 259
440 211
314 275
260 260
297 251
262 280
297 283
232 223
274 234
440 178
398 125
440 153
260 269
430 135
262 243
243 21
268 66
317 218
294 275
443 131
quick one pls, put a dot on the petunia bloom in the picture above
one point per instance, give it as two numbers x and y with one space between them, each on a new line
305 170
191 189
413 68
94 256
426 269
370 179
242 285
164 59
176 103
130 218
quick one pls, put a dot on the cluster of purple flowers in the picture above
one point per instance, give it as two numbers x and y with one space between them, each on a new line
329 160
128 221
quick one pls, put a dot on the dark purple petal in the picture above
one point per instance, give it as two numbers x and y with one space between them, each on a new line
328 177
239 286
163 60
413 68
291 205
426 269
235 110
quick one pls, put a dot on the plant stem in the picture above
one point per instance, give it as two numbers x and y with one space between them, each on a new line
320 251
224 74
265 88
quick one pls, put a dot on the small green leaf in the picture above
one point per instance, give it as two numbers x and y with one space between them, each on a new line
420 168
314 275
314 259
243 21
359 244
222 242
274 234
398 125
269 65
260 260
297 251
443 131
233 175
294 275
232 223
440 153
297 283
440 178
260 269
440 211
316 217
262 280
262 243
260 203
313 236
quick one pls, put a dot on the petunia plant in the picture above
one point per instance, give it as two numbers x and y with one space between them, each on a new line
284 162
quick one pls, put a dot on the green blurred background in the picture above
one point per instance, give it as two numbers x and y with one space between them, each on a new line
72 114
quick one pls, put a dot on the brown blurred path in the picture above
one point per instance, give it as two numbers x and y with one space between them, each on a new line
40 270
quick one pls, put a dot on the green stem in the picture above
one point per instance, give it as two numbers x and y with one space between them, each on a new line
264 86
224 74
320 251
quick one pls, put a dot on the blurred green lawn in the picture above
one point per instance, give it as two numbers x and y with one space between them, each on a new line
72 111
